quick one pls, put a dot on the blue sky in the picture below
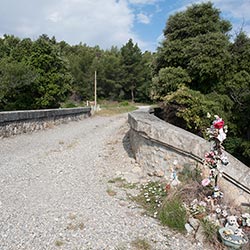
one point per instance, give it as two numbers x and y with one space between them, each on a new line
105 22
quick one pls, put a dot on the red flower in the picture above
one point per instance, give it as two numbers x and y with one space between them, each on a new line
167 187
219 124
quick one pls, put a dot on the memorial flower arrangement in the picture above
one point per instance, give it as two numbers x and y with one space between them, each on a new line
216 158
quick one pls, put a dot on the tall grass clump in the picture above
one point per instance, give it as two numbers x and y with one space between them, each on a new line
173 213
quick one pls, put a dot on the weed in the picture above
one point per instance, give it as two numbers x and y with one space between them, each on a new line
209 230
114 108
72 216
151 197
59 243
173 213
124 103
111 192
141 244
116 179
190 173
74 227
122 183
120 247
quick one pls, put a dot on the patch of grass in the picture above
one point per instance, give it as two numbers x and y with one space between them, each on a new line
190 173
173 213
114 108
210 231
59 243
69 104
151 197
122 183
141 244
121 247
75 226
72 144
116 179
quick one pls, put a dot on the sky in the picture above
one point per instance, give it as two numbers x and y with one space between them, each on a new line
106 22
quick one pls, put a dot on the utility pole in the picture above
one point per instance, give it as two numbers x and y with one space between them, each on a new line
95 92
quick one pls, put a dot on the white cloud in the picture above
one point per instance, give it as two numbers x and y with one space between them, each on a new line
74 21
143 1
143 18
236 11
54 17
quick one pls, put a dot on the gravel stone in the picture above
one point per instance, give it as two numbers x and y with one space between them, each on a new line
53 191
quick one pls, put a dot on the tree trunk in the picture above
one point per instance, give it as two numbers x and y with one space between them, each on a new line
132 95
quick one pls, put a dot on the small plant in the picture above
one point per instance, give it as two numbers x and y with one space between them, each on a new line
210 231
151 197
141 244
114 108
173 214
122 183
111 192
124 103
116 179
190 173
75 226
59 243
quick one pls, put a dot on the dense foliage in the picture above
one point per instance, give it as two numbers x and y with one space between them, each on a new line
199 70
44 73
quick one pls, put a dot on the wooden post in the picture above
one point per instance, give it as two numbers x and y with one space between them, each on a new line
95 91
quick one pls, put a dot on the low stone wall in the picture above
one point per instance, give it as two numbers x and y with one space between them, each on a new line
157 144
25 121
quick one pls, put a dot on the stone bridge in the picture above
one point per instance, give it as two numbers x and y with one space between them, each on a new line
157 144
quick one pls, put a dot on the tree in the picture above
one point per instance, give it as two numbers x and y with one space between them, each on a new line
197 41
16 80
199 19
53 81
131 58
169 80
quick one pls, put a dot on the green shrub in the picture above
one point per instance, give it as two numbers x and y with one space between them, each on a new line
124 103
173 214
190 173
210 231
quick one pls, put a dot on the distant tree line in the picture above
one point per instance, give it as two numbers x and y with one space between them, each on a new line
44 73
197 69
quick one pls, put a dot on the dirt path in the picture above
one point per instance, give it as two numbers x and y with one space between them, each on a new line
54 191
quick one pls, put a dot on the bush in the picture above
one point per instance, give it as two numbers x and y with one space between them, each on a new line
173 214
210 231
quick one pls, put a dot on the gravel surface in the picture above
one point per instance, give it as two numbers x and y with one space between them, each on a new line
55 191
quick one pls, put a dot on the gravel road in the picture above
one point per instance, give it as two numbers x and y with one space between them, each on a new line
54 191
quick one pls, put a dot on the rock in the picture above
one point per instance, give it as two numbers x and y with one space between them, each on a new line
158 173
199 236
136 170
195 223
189 228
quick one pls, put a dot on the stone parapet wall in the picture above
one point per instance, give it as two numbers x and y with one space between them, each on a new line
25 121
157 144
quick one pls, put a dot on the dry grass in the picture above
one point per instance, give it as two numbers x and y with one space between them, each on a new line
114 108
141 244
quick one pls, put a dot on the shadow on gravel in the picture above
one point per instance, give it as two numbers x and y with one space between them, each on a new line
127 146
